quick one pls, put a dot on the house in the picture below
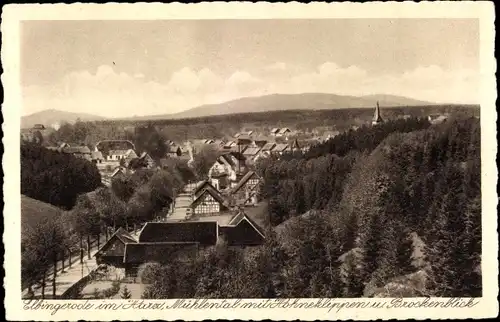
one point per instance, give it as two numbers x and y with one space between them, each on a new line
219 143
377 119
78 151
112 252
275 131
295 145
38 127
64 145
228 163
244 139
437 118
246 191
118 172
174 151
148 160
242 231
220 181
117 155
209 141
268 147
228 145
260 142
251 153
208 201
137 254
201 186
280 149
96 157
239 134
284 132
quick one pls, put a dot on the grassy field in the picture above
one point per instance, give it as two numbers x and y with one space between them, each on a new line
33 212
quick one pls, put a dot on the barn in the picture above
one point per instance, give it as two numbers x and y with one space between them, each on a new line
111 253
242 231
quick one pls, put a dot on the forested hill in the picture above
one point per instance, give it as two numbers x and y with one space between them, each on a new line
55 178
411 209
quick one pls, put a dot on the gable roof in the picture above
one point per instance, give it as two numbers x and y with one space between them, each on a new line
251 151
228 157
122 235
76 149
268 146
244 180
244 137
280 147
201 185
39 127
204 232
210 190
148 252
229 144
275 130
241 216
116 171
284 130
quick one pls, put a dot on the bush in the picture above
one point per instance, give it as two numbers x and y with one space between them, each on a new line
125 293
147 272
113 290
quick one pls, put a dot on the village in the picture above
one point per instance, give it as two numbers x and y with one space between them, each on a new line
225 206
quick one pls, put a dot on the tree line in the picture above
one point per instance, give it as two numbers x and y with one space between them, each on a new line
298 182
407 223
54 177
225 126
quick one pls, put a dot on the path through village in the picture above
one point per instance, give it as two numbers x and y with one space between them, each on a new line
72 274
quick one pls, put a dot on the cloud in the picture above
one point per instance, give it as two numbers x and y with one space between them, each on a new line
117 94
278 66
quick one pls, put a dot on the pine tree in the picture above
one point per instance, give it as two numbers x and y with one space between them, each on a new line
125 293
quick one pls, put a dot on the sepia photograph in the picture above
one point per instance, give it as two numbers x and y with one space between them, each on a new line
251 158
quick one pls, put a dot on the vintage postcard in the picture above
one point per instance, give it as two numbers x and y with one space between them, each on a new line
250 161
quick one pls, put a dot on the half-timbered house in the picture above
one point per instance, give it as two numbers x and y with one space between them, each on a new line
208 202
247 189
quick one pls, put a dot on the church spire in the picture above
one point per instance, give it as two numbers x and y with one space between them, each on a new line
376 117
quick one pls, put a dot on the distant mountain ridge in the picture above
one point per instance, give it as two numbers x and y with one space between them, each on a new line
281 102
272 102
50 117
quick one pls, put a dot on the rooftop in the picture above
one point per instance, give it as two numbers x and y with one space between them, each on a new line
204 233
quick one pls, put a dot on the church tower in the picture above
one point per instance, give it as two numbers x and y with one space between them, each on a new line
377 119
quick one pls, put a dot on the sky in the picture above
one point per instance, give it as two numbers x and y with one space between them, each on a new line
127 68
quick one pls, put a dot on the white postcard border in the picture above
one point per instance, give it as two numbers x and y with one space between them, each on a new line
487 306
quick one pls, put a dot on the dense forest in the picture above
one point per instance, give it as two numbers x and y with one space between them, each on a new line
54 177
402 218
225 126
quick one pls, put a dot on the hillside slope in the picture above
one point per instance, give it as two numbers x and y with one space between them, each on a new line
34 212
51 117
